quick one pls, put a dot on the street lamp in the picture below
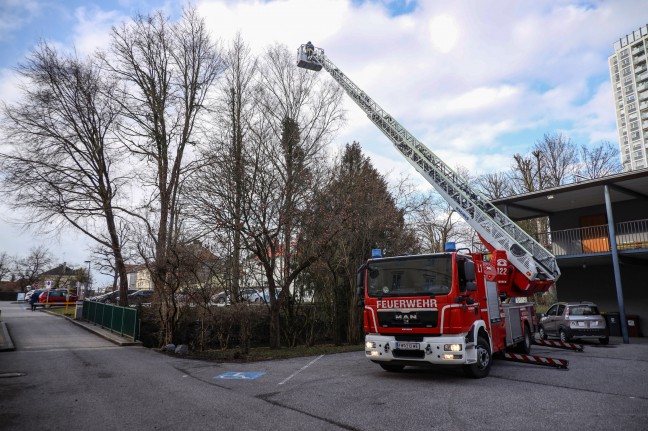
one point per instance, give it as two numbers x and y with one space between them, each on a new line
85 293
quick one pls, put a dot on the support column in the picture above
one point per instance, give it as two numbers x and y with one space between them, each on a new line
615 265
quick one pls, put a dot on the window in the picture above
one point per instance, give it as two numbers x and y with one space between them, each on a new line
630 98
625 62
628 80
624 52
634 125
629 88
626 71
632 107
638 154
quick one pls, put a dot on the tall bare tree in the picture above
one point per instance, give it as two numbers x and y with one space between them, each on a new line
62 163
167 69
5 265
600 161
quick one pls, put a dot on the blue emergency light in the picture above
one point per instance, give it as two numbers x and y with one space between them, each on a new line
376 252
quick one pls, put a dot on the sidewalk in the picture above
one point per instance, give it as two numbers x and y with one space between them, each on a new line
7 344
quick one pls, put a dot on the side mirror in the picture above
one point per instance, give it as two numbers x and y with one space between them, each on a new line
360 276
471 286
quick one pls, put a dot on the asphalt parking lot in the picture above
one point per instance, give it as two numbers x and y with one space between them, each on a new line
604 388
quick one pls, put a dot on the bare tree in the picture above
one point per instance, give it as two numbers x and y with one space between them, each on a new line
168 70
494 185
29 268
600 161
558 158
5 265
62 165
299 113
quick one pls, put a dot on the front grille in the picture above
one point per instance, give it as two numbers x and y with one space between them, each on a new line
409 354
408 319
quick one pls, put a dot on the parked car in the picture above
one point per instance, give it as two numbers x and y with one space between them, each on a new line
574 320
49 297
140 297
251 295
110 297
221 298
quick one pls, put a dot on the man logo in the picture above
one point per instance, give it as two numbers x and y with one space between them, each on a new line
501 262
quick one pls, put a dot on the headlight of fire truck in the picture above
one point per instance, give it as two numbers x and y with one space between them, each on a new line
452 347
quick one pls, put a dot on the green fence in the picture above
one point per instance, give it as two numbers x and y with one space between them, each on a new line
121 320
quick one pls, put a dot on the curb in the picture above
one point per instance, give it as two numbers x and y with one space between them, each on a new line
7 344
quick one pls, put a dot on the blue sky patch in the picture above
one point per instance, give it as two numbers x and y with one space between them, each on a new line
395 7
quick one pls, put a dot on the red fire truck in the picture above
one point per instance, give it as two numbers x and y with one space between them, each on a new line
454 308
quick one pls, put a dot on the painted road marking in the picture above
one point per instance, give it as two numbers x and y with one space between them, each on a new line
301 369
238 375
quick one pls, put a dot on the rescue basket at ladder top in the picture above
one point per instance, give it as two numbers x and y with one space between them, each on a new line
307 61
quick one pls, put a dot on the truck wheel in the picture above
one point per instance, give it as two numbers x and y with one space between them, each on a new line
563 336
604 341
392 368
482 367
543 334
524 346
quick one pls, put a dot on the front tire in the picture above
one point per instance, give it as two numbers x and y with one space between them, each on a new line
482 367
604 341
564 338
392 368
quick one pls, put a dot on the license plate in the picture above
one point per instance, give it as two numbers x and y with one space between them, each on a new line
408 346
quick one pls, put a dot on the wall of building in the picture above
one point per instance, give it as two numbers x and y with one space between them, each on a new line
596 284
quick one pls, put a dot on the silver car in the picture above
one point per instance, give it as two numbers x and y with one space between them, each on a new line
574 320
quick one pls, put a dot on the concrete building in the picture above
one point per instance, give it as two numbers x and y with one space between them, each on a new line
599 235
629 74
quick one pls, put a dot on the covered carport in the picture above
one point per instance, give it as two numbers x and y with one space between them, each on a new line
606 264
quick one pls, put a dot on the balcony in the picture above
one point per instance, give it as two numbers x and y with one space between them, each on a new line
632 235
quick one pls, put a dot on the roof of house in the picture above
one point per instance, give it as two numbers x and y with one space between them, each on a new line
587 193
61 270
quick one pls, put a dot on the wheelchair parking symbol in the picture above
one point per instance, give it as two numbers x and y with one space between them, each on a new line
234 375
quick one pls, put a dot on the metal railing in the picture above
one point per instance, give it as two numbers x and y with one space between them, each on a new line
595 239
121 320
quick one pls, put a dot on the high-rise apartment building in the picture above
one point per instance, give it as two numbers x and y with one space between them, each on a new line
629 75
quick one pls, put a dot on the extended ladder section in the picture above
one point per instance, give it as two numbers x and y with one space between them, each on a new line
527 255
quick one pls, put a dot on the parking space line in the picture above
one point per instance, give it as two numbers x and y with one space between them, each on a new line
301 369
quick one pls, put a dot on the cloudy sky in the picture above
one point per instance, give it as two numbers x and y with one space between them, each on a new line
476 81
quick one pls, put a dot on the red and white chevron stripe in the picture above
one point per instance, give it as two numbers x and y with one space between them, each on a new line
538 360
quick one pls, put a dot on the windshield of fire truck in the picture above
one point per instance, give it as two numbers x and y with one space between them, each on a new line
420 276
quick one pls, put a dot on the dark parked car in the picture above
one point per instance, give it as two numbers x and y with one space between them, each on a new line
140 297
574 320
110 297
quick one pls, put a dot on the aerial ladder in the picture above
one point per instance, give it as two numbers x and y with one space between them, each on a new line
536 268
